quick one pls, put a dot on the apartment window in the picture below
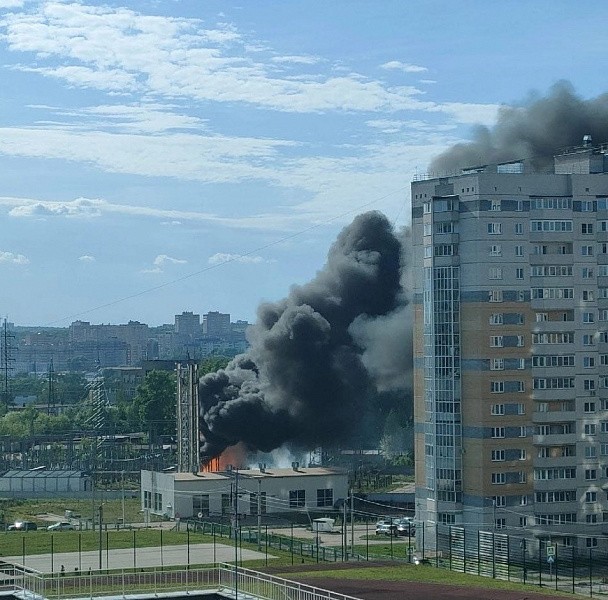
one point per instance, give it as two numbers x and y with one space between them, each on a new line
496 319
523 521
500 523
519 273
426 207
588 385
147 499
498 432
590 428
519 228
588 362
494 228
542 317
521 407
497 387
519 250
587 273
495 205
587 250
522 454
498 455
589 407
325 497
297 498
495 296
588 339
522 477
520 341
603 426
590 496
603 314
496 341
428 251
590 451
158 501
592 518
550 225
591 542
499 478
495 250
495 273
588 317
523 500
428 228
497 364
588 296
586 228
497 409
522 431
499 501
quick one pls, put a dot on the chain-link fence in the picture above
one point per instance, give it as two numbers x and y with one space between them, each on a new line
535 561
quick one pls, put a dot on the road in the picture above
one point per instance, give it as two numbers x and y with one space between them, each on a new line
126 558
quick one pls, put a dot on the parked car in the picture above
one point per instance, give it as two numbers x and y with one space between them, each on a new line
406 526
23 526
386 528
61 526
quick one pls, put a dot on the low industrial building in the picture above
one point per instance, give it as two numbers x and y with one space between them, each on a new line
42 483
267 490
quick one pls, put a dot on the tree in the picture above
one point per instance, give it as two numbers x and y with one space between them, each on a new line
211 364
155 402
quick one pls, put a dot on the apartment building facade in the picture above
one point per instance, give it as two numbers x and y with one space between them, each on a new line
511 348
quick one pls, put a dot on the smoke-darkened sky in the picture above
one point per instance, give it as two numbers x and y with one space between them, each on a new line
538 129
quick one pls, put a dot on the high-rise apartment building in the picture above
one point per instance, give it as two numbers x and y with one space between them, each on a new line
511 347
216 323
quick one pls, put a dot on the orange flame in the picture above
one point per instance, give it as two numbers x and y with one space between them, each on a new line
233 455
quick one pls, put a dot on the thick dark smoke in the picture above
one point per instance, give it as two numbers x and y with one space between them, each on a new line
536 131
316 356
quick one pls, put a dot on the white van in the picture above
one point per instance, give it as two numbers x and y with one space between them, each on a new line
324 524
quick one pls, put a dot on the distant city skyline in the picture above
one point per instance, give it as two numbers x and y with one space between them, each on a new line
190 154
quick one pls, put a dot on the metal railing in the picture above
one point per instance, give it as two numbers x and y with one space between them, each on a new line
230 579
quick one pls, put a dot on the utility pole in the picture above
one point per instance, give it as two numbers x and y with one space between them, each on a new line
51 390
100 535
259 512
352 523
236 535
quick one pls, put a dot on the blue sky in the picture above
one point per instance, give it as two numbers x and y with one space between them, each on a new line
161 156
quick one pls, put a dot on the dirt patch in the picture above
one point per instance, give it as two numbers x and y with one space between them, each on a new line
394 590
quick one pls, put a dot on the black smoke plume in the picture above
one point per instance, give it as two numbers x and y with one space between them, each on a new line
538 130
316 357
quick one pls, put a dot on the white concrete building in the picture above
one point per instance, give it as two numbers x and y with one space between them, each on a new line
185 495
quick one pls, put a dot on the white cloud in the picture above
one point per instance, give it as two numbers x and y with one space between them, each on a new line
120 50
171 223
15 259
86 258
11 3
296 60
161 262
395 65
81 207
162 259
223 257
